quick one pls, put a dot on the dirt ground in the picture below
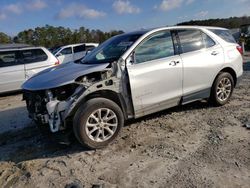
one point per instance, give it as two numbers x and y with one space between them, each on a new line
195 145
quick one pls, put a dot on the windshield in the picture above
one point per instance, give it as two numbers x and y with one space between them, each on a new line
111 50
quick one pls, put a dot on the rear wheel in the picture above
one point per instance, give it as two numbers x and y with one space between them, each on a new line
222 89
98 122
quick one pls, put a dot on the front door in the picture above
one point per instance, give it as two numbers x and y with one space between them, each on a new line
155 76
65 55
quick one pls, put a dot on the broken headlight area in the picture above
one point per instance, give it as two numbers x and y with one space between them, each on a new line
48 106
90 79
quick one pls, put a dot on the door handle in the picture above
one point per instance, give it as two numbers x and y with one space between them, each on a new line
174 63
214 53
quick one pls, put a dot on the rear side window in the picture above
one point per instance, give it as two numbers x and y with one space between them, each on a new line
159 45
34 55
9 58
207 41
80 48
191 40
224 34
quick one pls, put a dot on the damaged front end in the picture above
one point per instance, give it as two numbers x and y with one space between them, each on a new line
48 106
57 106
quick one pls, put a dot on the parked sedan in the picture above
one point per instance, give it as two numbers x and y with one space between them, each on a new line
18 63
132 75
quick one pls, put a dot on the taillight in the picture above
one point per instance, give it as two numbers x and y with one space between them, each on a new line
57 62
240 49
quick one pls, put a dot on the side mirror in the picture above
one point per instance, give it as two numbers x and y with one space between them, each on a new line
131 59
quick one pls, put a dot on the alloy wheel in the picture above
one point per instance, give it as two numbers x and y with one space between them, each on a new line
101 124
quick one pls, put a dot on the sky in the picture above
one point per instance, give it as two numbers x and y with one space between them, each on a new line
106 15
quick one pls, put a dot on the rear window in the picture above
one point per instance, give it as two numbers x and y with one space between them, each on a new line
191 40
224 34
80 48
208 41
34 55
8 58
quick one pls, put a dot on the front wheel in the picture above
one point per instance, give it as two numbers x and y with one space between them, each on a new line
98 122
222 89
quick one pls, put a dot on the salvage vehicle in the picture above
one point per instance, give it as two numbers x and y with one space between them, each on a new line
132 75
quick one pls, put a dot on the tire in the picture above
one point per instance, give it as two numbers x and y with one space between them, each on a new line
222 89
92 131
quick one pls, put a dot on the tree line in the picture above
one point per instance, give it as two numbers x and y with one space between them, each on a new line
50 36
230 23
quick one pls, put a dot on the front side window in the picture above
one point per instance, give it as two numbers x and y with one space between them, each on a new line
34 55
159 45
8 58
66 51
191 40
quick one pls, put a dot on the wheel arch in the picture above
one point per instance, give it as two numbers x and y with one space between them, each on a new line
230 71
107 94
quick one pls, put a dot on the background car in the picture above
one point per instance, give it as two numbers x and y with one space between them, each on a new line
73 52
245 36
19 62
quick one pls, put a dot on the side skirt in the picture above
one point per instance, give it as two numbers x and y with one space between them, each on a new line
203 94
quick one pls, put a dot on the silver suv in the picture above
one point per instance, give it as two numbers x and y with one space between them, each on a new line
132 75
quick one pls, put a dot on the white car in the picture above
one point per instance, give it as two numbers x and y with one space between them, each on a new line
73 52
19 62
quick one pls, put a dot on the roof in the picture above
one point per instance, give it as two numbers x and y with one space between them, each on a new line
73 45
14 46
143 31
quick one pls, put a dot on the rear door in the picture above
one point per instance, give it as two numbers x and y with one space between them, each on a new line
35 60
155 76
202 59
65 55
11 71
79 52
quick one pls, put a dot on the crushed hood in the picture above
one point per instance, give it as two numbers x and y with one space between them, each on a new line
61 75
